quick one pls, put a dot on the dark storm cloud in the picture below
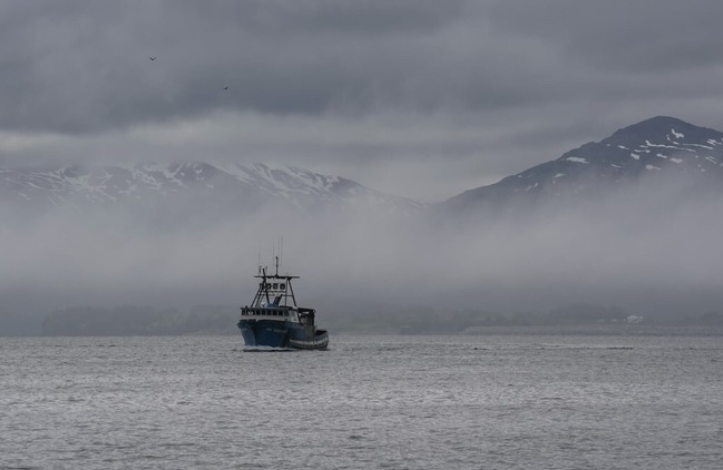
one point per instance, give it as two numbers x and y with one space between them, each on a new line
81 66
84 66
641 36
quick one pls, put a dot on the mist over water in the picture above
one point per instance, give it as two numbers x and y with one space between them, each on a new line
648 249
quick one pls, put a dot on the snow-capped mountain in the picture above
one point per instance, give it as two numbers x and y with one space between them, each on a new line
643 151
205 192
229 188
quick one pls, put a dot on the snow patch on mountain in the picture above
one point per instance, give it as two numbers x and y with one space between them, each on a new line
646 150
251 185
678 135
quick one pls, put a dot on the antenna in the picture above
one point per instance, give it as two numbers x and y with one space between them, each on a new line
277 257
281 251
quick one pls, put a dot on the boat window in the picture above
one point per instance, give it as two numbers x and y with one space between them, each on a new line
282 286
276 285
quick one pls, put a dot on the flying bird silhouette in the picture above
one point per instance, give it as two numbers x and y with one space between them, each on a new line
152 58
225 88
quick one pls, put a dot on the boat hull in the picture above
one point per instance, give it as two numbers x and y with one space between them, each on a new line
282 335
318 340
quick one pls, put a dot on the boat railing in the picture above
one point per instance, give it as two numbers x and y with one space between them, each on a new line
266 312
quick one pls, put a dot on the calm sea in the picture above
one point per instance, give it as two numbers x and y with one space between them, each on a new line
370 402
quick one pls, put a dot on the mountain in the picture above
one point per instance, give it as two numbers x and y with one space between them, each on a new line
204 193
643 151
185 189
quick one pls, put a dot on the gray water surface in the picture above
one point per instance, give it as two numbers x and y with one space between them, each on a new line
370 402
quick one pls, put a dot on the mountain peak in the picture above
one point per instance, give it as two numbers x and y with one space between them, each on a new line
656 146
662 128
659 122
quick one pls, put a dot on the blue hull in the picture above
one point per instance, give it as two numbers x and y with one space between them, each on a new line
282 334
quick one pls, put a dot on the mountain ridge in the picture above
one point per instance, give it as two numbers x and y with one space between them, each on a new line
244 186
661 144
644 150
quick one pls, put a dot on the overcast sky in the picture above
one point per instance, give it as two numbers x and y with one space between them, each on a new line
421 98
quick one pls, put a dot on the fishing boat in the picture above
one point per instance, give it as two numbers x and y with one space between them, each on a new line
273 320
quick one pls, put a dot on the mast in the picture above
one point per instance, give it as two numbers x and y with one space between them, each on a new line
266 286
280 290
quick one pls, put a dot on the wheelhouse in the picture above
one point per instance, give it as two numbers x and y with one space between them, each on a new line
275 300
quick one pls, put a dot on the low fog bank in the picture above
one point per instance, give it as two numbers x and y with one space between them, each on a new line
649 251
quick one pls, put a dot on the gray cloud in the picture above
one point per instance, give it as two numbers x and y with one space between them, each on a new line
645 37
80 67
84 68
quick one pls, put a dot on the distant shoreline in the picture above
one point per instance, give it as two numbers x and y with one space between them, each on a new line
568 330
593 330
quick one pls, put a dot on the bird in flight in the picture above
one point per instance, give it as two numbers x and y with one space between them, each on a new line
225 88
152 58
